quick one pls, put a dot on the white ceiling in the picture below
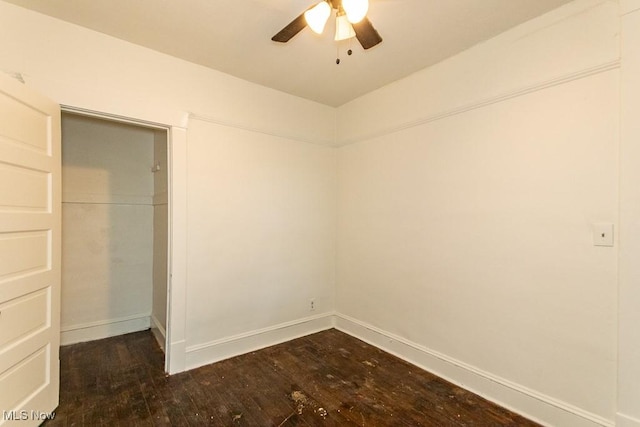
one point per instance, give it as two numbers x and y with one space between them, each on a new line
234 36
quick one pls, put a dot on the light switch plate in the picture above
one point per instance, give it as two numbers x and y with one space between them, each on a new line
603 234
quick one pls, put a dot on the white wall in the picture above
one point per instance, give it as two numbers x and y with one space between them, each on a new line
465 214
629 265
261 237
107 238
540 52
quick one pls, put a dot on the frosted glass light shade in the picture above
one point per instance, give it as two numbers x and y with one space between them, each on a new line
356 10
317 16
344 30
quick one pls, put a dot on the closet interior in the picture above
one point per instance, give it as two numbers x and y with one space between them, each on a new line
114 229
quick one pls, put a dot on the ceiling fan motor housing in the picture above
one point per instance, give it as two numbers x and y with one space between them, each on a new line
336 4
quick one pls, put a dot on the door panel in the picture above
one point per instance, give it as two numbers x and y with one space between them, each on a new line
17 247
29 254
35 189
27 314
13 114
27 375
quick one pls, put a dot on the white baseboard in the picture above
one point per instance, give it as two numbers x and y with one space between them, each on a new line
623 420
214 351
159 333
533 405
103 329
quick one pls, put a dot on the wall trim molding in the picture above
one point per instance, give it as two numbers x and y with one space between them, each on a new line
105 199
175 358
161 198
531 404
623 420
224 348
264 131
113 117
104 328
159 333
521 91
628 6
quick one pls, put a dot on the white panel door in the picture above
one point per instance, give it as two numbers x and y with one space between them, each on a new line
30 221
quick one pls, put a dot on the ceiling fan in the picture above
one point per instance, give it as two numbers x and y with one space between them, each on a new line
351 20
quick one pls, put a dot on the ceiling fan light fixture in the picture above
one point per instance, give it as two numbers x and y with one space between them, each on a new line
317 16
344 30
356 10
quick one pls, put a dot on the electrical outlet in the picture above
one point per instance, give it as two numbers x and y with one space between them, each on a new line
312 304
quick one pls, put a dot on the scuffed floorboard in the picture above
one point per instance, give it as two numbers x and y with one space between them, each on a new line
324 379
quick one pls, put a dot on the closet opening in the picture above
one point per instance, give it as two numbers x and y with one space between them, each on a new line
115 228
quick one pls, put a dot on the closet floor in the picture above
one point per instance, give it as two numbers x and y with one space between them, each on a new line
325 379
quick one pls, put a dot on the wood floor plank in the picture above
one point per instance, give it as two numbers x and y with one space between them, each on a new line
324 379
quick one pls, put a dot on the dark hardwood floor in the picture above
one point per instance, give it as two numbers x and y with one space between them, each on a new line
325 379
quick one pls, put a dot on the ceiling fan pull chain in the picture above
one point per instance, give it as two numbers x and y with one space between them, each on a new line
338 54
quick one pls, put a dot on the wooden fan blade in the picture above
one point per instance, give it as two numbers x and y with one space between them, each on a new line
366 34
290 30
